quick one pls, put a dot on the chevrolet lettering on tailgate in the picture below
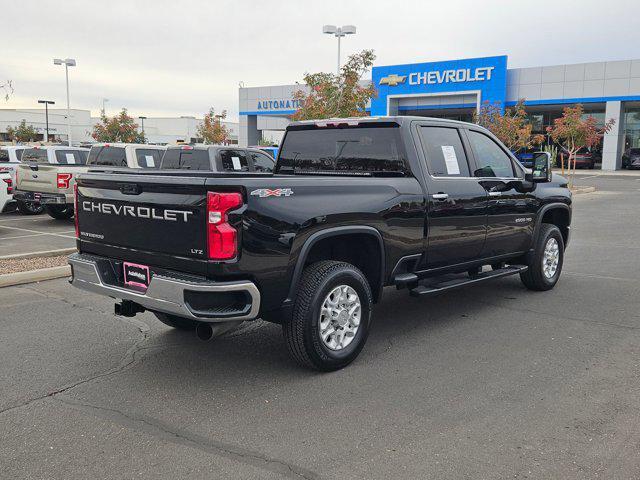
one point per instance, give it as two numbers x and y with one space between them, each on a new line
136 211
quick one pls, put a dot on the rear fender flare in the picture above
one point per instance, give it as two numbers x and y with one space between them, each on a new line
334 232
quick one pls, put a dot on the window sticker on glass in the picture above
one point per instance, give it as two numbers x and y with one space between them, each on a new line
236 163
150 162
71 160
450 160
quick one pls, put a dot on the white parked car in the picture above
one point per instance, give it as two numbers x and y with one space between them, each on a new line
10 156
6 190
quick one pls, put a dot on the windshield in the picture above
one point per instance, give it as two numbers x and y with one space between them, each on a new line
107 156
370 149
36 155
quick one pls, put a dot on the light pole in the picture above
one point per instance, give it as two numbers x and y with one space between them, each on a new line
339 32
46 117
142 125
67 62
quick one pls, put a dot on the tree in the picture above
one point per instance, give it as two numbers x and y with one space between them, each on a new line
511 127
120 128
22 133
574 130
212 130
337 96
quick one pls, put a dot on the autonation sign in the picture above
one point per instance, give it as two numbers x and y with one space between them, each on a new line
486 77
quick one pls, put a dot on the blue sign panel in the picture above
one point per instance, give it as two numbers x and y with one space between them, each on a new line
487 76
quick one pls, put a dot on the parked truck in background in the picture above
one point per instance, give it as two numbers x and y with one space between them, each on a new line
355 205
10 156
51 184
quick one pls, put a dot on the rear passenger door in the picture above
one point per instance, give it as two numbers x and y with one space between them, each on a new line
510 209
457 203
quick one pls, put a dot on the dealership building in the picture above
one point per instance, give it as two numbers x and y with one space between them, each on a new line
456 89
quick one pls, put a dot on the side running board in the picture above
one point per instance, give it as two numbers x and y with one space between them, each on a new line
444 286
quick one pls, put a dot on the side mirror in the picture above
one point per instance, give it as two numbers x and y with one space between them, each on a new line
541 170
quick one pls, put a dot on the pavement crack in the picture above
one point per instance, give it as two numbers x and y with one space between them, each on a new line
160 430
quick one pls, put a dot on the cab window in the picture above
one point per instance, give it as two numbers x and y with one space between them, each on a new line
491 160
445 154
262 162
71 157
148 157
234 161
107 156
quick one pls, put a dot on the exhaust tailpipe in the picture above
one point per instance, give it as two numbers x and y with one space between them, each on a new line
209 331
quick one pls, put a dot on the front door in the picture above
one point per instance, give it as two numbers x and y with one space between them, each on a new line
457 203
511 210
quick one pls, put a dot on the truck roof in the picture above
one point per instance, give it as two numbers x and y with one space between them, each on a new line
123 145
399 119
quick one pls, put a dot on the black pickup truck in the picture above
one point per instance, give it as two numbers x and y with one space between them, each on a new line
354 205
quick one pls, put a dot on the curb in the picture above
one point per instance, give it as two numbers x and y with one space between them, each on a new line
31 276
44 253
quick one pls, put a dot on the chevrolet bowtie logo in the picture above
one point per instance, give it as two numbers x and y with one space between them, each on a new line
393 80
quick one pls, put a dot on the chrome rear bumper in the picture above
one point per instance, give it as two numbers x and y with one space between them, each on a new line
164 294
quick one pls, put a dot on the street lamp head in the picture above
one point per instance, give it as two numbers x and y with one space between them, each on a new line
48 102
330 29
348 29
69 62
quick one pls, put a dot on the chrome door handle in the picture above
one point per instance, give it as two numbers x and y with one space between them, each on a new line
440 196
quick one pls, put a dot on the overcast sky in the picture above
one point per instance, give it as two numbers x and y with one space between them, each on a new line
171 58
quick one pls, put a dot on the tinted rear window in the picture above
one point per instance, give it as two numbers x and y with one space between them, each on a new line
107 156
373 149
35 155
4 155
186 159
71 157
149 157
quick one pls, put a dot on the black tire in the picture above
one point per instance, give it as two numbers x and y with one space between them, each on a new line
534 278
30 208
174 321
592 165
59 212
301 331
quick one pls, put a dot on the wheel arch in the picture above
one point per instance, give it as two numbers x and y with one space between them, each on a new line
373 271
558 214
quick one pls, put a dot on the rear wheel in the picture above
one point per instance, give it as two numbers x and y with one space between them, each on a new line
545 265
59 212
331 316
174 321
30 208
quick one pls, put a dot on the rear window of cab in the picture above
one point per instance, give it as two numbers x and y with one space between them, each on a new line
183 158
106 156
35 155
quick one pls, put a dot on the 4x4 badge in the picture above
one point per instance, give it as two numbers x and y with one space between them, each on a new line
276 192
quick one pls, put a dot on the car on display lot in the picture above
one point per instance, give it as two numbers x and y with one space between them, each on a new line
217 158
6 190
10 156
353 205
51 185
37 182
631 158
584 158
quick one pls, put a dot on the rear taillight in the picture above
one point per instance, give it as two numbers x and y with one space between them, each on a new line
9 183
222 238
75 209
64 179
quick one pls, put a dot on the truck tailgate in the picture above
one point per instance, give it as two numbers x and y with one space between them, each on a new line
37 177
141 216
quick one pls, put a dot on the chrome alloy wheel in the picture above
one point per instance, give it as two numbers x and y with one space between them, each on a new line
340 317
551 258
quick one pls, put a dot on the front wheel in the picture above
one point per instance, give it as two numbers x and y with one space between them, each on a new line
331 316
30 208
59 212
545 265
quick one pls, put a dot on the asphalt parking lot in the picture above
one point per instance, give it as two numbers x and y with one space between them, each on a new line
490 382
34 233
